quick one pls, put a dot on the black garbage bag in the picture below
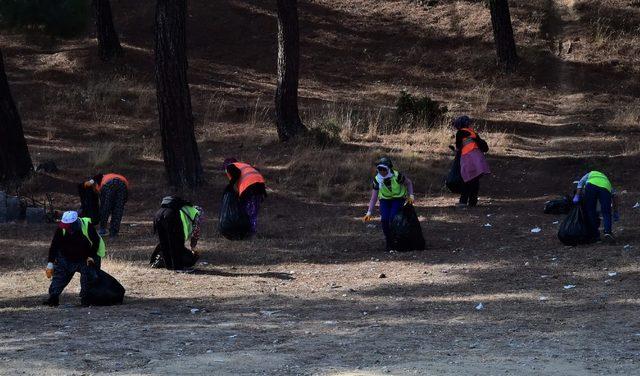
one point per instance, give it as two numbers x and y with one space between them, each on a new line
187 258
574 230
560 206
103 290
89 203
234 221
406 232
454 180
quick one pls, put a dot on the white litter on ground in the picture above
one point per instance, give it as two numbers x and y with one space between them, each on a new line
568 287
536 230
194 310
488 225
556 222
543 298
612 274
637 205
480 307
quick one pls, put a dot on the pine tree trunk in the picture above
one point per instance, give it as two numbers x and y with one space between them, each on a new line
179 147
287 117
503 35
108 42
15 161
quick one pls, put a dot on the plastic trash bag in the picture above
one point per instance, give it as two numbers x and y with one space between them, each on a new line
406 232
89 203
560 206
573 230
454 180
103 290
234 221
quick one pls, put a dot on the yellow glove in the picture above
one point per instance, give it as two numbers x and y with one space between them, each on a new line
411 200
49 270
367 217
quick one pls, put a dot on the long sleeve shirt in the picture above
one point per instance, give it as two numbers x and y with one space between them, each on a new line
74 246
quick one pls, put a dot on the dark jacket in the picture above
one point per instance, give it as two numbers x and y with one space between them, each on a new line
74 246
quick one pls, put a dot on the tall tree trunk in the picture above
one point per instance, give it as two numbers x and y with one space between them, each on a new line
503 35
287 116
108 42
15 161
179 147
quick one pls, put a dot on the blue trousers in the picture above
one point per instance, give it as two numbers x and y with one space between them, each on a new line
591 196
63 273
388 210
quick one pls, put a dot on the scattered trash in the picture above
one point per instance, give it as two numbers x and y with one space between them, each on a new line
544 276
204 263
194 311
489 215
209 351
556 222
371 225
612 274
488 225
480 307
554 258
526 263
568 287
637 205
536 230
627 246
607 281
382 275
268 313
233 336
543 298
331 323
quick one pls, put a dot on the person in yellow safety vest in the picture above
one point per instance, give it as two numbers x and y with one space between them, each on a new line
592 189
114 192
76 247
176 222
393 189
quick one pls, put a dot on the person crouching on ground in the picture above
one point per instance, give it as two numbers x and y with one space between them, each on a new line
392 189
473 164
114 192
595 188
249 183
176 222
76 247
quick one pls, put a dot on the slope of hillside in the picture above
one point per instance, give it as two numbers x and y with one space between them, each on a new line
305 296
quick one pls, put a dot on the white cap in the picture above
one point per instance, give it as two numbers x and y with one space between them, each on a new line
69 217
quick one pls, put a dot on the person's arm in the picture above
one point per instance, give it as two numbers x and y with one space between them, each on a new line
53 253
409 185
372 203
460 135
234 173
195 235
95 241
580 188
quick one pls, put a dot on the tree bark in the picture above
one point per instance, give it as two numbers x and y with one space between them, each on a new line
15 161
108 42
287 116
179 147
507 56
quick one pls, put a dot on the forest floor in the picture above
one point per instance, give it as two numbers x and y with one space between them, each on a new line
307 296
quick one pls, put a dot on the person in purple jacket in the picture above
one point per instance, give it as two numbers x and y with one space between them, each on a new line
473 164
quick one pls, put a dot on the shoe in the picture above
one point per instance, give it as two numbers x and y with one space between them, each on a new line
53 301
608 238
185 270
102 232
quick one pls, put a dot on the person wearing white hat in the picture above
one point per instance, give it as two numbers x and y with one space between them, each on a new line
76 247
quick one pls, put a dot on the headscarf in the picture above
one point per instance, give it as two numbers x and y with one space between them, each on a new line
461 122
227 162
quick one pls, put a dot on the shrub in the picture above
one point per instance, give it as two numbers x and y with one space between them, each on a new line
419 111
63 18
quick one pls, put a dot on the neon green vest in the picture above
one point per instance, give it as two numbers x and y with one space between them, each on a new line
84 225
599 180
188 216
397 190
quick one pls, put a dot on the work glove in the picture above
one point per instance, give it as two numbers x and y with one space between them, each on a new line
91 261
411 200
49 270
616 216
367 217
576 199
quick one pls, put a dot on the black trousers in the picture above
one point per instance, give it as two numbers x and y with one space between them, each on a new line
171 253
470 191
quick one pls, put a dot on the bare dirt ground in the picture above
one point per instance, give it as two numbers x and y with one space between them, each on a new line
306 297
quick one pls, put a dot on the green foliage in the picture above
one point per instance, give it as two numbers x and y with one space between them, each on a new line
63 18
419 111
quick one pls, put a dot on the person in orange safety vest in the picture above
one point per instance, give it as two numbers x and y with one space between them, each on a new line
114 192
249 183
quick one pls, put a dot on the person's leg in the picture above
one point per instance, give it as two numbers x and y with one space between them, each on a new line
106 206
385 217
590 207
604 196
464 196
251 205
62 275
119 201
474 188
88 275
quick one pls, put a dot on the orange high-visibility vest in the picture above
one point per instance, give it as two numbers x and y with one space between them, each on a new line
469 143
108 177
248 177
